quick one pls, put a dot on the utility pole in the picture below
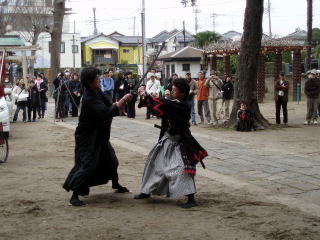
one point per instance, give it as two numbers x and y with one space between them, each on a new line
269 14
184 34
196 26
74 45
95 30
213 15
134 26
143 23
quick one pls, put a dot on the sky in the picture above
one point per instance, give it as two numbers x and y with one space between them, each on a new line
119 15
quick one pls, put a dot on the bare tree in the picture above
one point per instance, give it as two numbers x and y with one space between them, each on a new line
309 26
56 34
246 82
32 20
8 10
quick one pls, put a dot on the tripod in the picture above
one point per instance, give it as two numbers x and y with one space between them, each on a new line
60 107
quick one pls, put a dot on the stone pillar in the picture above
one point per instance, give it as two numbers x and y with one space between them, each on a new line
296 74
278 64
213 63
261 78
227 65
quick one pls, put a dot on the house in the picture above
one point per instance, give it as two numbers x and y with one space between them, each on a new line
298 35
182 61
174 40
231 36
112 49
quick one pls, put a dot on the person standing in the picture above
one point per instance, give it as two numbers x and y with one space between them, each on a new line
193 92
107 84
215 84
202 97
281 91
312 90
95 160
131 83
20 95
42 88
169 82
75 89
171 165
153 89
227 95
33 101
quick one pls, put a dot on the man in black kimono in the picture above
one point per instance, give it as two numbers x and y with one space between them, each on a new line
95 160
171 165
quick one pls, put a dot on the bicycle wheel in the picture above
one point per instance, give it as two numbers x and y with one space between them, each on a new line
4 148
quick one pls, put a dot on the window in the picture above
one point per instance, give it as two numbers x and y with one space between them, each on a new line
186 67
173 69
62 47
75 49
126 50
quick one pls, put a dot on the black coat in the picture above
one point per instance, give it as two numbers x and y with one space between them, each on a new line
175 117
34 97
120 93
312 88
43 92
95 159
227 89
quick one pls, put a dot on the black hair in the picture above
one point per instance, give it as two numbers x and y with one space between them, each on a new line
31 81
128 73
183 87
88 75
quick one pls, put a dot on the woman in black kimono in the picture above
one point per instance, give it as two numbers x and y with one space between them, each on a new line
95 159
245 120
171 165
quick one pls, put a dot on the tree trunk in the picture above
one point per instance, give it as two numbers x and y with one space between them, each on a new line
246 81
56 34
309 26
35 39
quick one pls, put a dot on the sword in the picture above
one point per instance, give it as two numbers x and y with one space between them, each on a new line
134 90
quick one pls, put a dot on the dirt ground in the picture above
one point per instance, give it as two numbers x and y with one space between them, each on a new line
33 204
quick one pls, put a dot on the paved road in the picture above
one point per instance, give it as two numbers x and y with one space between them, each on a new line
278 172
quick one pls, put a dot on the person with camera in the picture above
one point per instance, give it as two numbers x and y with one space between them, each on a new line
60 95
281 92
312 90
75 90
42 88
95 160
227 95
215 84
193 92
131 83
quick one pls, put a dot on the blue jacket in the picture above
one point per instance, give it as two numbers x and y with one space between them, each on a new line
107 85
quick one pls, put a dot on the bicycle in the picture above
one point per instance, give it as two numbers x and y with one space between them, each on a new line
4 146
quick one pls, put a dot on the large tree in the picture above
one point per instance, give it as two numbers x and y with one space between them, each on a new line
246 81
309 29
202 39
56 34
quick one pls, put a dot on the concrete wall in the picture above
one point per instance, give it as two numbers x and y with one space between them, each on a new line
194 68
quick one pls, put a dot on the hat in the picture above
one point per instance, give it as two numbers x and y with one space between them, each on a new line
67 70
152 75
174 74
213 72
314 71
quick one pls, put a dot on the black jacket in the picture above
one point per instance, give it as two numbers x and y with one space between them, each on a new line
175 117
227 89
120 93
312 88
95 159
34 97
74 86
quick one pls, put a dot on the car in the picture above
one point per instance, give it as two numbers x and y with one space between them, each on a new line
4 116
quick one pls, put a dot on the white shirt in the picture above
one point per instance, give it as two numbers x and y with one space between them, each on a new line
153 87
281 93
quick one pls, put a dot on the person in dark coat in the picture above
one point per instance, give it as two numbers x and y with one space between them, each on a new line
131 83
75 90
95 160
121 86
33 101
281 92
42 88
245 120
227 95
312 91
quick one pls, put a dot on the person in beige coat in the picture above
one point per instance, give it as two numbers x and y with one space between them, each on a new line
215 95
